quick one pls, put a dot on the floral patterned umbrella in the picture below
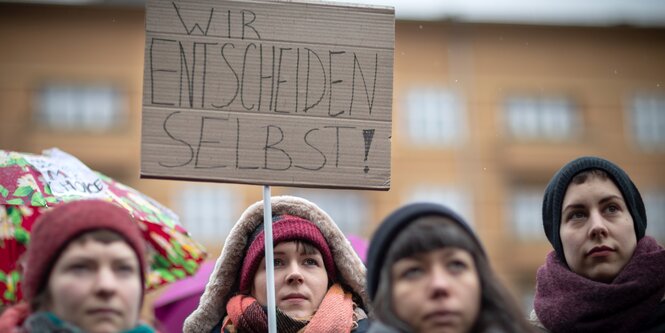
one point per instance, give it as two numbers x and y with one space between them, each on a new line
31 184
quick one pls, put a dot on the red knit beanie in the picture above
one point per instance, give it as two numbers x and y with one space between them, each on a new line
284 228
57 227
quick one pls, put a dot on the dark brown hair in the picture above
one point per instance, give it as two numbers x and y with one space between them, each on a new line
583 176
304 247
424 234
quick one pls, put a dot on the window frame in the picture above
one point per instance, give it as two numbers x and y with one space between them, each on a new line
80 104
633 120
542 111
425 125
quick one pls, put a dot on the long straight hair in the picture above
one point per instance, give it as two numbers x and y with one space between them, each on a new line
497 309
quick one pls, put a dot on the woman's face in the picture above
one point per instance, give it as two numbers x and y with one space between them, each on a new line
96 286
597 229
301 280
437 291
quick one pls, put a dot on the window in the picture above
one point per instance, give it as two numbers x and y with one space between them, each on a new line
526 213
208 212
655 205
435 116
648 121
350 210
550 118
80 107
457 200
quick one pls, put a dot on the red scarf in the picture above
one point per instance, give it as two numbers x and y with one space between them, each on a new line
568 302
334 315
13 317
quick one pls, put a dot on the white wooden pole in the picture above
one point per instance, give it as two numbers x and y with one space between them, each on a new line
270 262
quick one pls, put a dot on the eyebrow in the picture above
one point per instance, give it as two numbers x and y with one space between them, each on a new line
572 206
123 260
602 201
89 257
451 252
300 253
610 198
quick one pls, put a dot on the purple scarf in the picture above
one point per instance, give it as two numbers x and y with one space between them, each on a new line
568 302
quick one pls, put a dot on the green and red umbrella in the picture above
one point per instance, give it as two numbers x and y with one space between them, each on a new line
31 184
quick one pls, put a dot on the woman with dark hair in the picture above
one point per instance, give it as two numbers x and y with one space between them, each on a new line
604 274
428 272
319 279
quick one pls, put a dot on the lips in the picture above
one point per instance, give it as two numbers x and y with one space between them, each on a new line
294 297
600 251
442 317
103 311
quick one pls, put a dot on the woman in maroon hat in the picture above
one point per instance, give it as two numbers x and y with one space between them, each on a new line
319 279
84 273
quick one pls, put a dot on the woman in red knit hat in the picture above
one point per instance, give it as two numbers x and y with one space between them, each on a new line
84 273
319 279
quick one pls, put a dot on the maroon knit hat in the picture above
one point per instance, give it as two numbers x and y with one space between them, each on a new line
284 228
53 231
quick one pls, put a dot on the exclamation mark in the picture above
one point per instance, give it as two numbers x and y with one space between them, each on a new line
368 134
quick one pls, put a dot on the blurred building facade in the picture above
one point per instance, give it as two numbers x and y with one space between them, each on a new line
483 115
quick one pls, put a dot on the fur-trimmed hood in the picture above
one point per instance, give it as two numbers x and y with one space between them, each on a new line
223 283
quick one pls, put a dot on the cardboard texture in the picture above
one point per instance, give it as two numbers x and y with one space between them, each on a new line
269 93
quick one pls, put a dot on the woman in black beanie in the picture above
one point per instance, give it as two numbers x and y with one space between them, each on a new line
427 272
604 274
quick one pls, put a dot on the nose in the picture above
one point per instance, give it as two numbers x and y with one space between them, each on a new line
107 282
294 275
598 228
439 283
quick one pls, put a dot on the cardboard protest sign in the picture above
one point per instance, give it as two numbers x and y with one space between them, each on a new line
268 92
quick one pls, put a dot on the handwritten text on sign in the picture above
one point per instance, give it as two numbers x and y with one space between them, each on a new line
277 93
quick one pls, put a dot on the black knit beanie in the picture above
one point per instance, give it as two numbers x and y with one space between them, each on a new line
556 190
393 225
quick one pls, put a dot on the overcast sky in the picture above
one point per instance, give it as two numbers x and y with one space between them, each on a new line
556 12
566 12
